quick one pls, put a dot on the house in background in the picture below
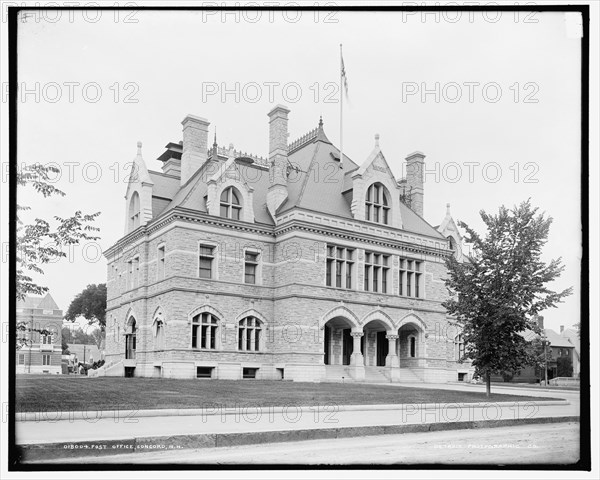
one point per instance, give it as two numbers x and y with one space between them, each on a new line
83 353
559 347
571 335
41 353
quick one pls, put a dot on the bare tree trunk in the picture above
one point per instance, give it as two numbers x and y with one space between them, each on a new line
488 384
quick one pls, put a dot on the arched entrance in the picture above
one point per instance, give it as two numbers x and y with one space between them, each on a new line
338 344
411 346
378 342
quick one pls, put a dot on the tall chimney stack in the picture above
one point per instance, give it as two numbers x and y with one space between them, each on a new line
278 158
415 178
195 145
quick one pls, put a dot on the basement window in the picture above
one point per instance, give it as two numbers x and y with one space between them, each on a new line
204 372
249 372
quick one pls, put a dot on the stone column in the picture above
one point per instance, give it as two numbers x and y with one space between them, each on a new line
357 361
392 360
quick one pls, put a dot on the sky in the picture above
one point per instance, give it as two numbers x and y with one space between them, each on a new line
492 99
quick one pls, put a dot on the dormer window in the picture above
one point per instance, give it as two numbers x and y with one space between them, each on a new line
134 211
377 204
231 206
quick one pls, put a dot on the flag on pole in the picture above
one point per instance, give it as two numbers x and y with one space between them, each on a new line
344 77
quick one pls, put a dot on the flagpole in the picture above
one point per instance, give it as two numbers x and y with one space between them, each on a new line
341 108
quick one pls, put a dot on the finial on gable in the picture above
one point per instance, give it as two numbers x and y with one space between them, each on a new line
139 148
376 139
215 141
320 122
447 209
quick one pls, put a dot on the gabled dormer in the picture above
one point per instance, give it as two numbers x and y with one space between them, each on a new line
376 194
228 193
138 197
449 230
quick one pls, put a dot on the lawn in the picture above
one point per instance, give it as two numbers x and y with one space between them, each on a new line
75 393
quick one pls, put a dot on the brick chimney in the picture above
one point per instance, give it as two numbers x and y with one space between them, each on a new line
415 176
195 145
278 158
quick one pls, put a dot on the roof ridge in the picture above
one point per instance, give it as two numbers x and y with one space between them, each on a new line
303 140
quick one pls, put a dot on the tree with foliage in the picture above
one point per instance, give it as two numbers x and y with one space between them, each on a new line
564 367
496 293
90 304
39 242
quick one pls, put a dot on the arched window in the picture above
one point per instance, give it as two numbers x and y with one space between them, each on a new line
134 211
459 348
204 331
231 206
249 334
451 243
158 329
377 206
130 338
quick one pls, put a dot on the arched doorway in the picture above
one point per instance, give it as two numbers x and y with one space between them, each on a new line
377 343
338 342
130 339
411 347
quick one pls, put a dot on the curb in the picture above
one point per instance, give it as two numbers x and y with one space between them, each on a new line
214 409
69 450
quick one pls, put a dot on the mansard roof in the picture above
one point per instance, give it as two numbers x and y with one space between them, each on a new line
316 182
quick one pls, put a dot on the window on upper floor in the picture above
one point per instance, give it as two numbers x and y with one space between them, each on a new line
133 272
206 261
134 211
250 267
377 267
45 359
459 348
340 267
249 334
377 206
411 278
204 331
231 206
160 268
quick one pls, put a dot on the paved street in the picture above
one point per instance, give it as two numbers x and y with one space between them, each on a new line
529 444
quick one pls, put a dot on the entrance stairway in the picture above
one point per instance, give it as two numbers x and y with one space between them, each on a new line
377 375
407 375
338 373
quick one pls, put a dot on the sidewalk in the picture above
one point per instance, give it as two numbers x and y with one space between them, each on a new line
130 431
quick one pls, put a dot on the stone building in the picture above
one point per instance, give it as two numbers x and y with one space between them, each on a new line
301 266
39 353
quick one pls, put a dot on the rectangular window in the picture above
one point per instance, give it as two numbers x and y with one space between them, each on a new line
161 263
339 267
206 257
204 372
249 372
250 267
136 272
410 278
45 359
376 272
21 359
